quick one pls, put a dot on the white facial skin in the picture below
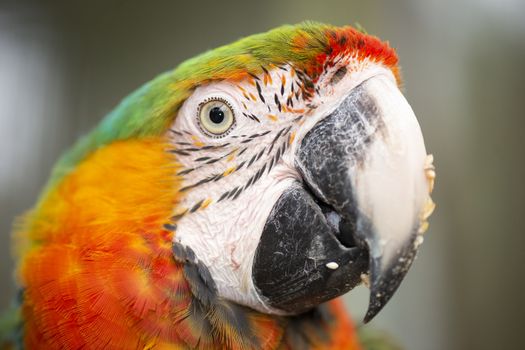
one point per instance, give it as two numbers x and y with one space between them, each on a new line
224 233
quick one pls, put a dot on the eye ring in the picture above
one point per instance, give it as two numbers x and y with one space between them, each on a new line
215 117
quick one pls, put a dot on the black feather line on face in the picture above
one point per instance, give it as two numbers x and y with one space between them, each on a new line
186 171
260 172
237 194
277 102
275 140
198 183
196 206
271 165
260 154
251 161
223 196
259 92
254 76
177 217
242 151
179 152
170 227
232 193
178 133
240 166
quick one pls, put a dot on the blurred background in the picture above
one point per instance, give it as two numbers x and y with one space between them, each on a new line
65 64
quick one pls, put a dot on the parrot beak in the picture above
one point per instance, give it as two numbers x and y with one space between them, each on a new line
367 161
359 214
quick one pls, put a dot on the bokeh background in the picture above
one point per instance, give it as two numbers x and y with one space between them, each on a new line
64 64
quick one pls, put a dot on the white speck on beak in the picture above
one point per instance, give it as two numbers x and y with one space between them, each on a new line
332 265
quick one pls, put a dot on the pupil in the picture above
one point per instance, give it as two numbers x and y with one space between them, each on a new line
216 115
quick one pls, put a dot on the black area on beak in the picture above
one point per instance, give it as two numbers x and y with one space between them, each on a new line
290 267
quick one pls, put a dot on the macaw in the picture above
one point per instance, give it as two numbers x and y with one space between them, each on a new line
227 203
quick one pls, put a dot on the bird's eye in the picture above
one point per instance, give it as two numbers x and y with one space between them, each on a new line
216 117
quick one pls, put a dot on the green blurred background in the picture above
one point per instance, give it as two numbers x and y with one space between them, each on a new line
64 64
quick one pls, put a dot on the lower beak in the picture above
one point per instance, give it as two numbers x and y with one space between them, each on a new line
367 161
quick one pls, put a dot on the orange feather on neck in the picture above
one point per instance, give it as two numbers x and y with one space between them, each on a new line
99 256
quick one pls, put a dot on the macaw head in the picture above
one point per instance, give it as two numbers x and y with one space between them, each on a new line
304 169
301 168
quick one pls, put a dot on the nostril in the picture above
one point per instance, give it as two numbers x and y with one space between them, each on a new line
347 231
338 75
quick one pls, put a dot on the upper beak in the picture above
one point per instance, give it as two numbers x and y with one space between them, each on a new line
367 160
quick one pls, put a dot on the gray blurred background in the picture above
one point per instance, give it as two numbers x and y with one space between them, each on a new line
64 64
